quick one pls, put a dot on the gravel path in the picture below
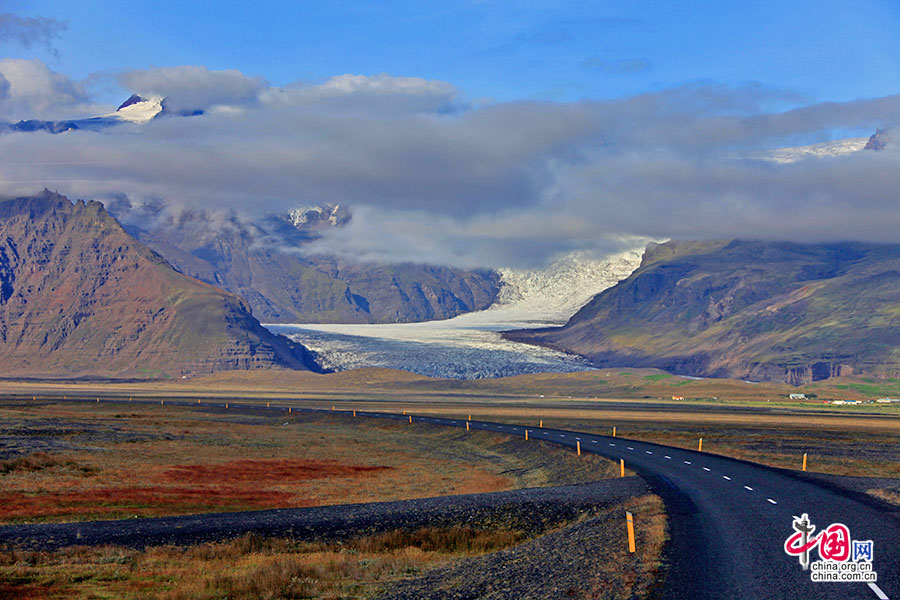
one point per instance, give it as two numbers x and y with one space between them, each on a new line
533 510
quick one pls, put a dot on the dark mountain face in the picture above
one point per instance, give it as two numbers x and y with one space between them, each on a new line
878 140
79 296
265 265
751 310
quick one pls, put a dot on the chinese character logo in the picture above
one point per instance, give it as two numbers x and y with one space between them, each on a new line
841 558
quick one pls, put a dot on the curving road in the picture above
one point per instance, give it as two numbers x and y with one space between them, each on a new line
728 518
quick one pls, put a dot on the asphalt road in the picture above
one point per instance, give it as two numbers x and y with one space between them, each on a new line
729 519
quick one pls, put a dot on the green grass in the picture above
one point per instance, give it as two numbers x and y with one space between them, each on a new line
656 377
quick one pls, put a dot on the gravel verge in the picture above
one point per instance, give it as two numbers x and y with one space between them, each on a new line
532 510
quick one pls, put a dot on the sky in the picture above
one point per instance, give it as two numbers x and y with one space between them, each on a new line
472 133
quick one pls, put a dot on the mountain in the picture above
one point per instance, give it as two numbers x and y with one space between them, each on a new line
264 264
79 296
135 110
752 310
878 140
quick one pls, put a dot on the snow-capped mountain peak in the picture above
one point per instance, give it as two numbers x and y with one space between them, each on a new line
317 217
138 110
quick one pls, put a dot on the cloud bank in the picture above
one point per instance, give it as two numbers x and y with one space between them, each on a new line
434 178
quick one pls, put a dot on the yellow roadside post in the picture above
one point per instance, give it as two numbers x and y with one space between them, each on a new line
332 407
629 518
354 413
267 405
804 461
467 425
700 447
542 424
410 418
614 431
198 400
622 467
404 411
578 446
526 435
290 409
98 400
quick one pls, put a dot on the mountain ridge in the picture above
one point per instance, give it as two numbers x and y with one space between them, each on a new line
777 311
78 295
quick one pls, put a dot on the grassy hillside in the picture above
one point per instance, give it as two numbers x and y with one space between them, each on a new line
750 310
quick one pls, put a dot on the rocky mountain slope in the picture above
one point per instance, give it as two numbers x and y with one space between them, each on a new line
79 296
264 263
747 309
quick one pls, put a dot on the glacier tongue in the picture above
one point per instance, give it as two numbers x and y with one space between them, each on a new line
470 346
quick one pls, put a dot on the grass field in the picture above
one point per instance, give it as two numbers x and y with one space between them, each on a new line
89 461
67 461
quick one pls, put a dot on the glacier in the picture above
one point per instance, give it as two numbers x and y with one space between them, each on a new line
470 346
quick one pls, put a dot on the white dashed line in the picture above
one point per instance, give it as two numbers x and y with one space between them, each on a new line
630 448
687 462
578 438
669 457
771 501
705 469
726 477
648 452
747 487
593 441
881 595
612 444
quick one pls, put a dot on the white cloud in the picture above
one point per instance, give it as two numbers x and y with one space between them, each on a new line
33 91
511 183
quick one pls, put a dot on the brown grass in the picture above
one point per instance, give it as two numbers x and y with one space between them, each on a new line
890 496
171 460
267 470
251 567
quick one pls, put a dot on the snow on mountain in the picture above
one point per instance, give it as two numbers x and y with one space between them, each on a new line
316 217
138 110
470 346
823 150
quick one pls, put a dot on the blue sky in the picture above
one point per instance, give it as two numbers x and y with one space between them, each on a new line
822 50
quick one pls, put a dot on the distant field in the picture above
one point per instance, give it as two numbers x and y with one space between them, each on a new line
374 383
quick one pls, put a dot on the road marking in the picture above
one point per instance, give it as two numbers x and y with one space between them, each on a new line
881 595
747 487
669 457
593 441
771 501
726 477
648 452
577 438
705 469
687 462
612 444
562 435
630 448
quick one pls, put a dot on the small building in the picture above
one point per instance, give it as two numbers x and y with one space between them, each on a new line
797 396
677 397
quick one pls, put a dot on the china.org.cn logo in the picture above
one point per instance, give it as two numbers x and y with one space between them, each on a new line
842 559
